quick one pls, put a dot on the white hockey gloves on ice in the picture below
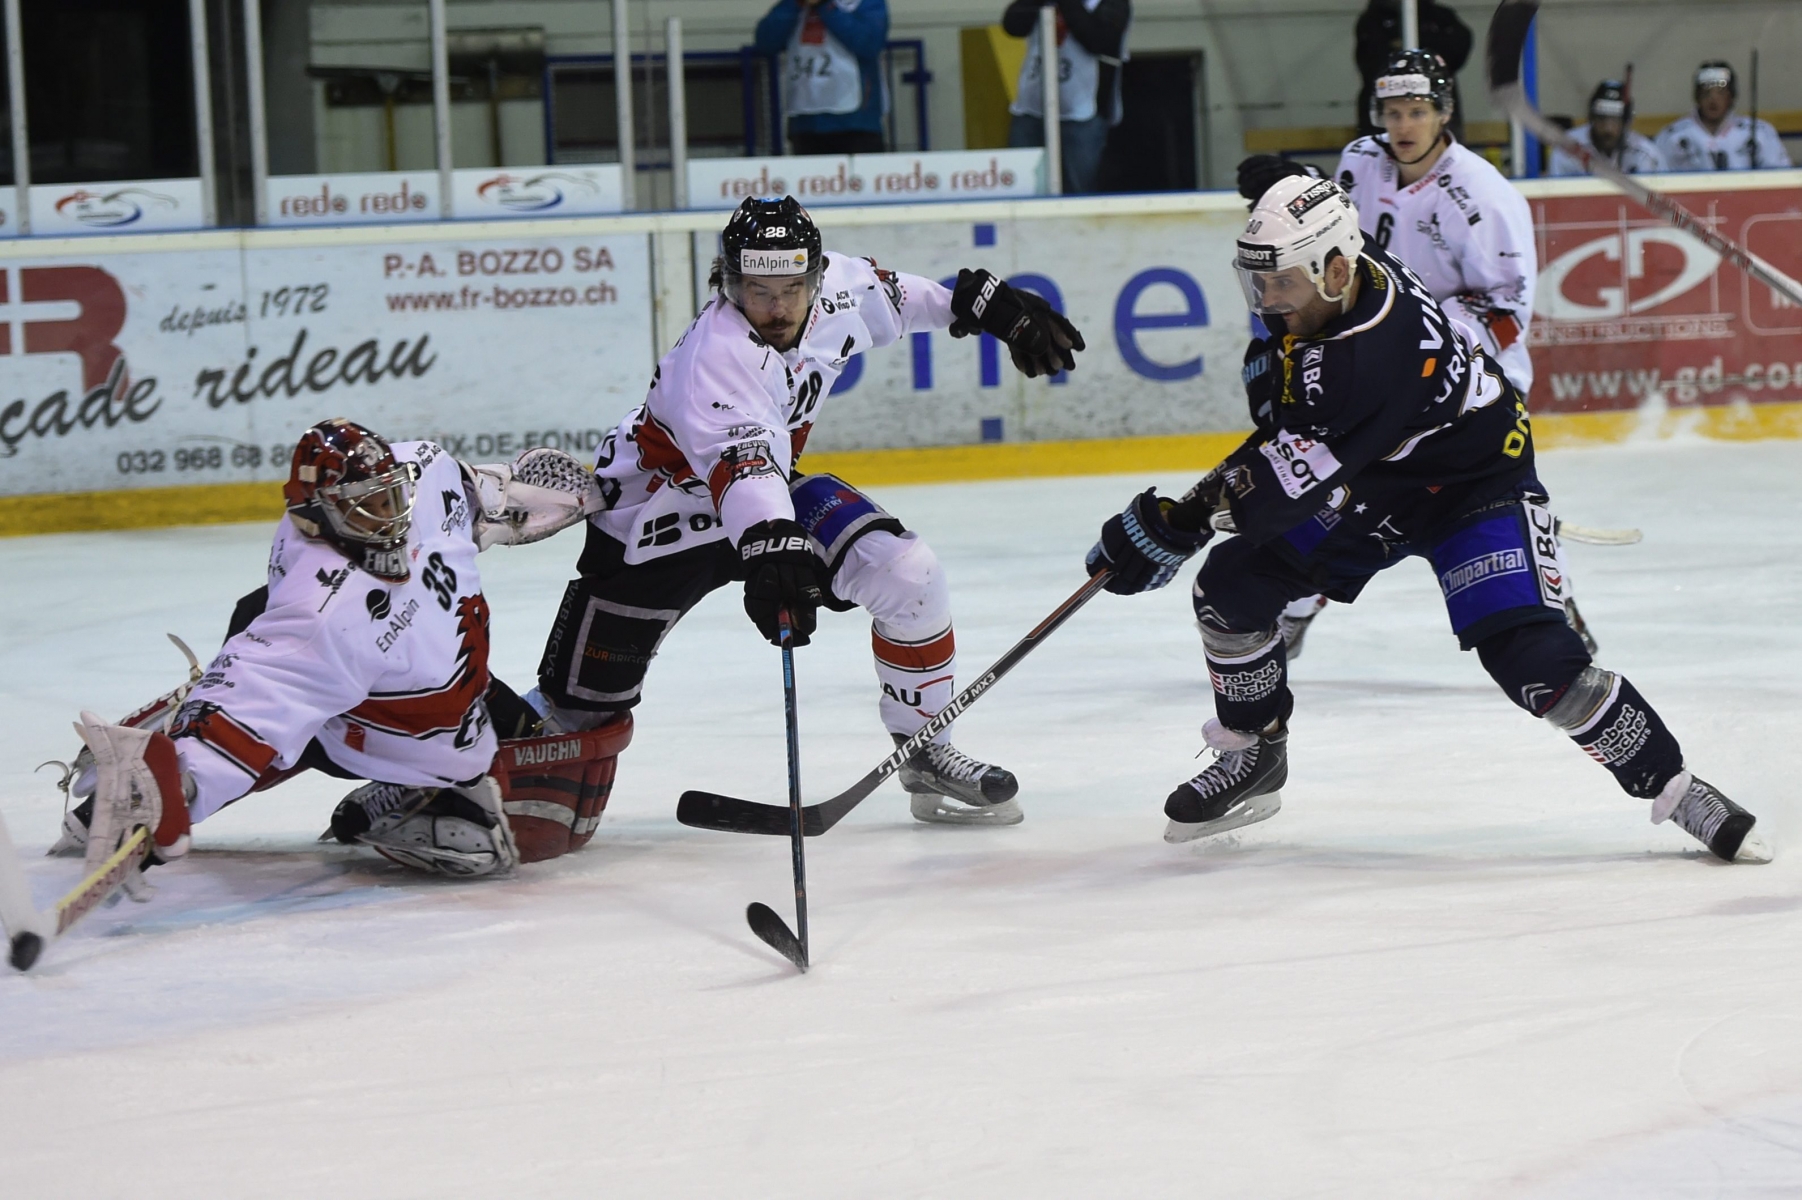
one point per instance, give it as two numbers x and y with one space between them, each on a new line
537 494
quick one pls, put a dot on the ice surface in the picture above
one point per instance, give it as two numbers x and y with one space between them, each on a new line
1459 963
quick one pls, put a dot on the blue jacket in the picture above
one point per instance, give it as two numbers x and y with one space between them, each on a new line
863 30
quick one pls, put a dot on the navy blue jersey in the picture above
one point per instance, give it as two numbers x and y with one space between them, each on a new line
1390 422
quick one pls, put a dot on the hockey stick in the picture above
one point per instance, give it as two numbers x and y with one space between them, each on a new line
791 944
1507 38
27 929
729 814
1597 537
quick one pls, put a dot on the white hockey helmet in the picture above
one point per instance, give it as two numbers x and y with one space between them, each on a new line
1295 227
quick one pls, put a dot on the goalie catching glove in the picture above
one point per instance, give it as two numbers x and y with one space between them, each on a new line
1141 546
1039 339
527 500
782 570
138 782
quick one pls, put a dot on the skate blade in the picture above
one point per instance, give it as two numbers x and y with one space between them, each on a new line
1258 808
1754 849
933 809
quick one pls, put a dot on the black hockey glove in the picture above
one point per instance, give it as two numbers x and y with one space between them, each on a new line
781 570
1259 173
1141 547
1039 339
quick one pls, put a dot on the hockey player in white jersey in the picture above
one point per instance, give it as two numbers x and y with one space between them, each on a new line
1714 137
1610 134
702 490
364 657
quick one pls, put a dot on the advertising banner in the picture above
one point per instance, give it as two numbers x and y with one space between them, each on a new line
817 180
1154 296
477 193
1631 311
129 370
139 206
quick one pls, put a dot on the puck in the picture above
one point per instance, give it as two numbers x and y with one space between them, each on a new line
25 950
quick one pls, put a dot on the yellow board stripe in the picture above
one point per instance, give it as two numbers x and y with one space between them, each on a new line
220 503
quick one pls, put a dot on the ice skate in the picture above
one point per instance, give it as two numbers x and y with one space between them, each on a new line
459 831
1242 786
948 787
1701 811
1294 621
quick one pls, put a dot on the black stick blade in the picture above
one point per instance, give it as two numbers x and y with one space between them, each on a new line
774 930
1507 40
729 814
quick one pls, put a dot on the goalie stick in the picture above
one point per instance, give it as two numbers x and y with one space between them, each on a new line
791 944
729 814
1507 39
29 931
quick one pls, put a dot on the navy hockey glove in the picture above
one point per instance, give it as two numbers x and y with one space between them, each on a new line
1259 173
781 570
1141 548
1038 338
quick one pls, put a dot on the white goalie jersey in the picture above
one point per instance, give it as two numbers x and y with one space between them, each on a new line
710 452
1465 231
389 677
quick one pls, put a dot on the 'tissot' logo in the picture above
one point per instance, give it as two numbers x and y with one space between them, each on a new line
108 210
533 193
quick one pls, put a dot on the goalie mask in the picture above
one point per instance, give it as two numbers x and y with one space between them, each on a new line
1296 229
772 239
345 487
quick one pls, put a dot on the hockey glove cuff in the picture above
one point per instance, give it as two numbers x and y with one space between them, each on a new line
1259 173
1141 548
1038 337
782 570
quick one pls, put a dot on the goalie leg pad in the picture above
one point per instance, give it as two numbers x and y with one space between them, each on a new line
555 788
137 783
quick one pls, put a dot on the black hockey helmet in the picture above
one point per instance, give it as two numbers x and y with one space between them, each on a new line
1411 73
1716 73
1611 99
345 487
772 237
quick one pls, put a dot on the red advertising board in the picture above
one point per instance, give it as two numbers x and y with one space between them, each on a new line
1629 307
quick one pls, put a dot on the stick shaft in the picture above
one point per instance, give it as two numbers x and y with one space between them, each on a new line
796 822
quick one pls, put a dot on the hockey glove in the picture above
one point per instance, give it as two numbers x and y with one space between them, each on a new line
1259 173
1141 548
781 570
1039 339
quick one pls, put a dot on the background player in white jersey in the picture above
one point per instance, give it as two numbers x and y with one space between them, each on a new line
1714 137
702 490
1461 227
1610 133
364 657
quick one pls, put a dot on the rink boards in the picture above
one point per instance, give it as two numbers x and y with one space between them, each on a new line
161 378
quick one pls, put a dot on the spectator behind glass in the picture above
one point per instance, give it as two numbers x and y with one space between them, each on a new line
1379 35
832 83
1091 45
1610 134
1712 138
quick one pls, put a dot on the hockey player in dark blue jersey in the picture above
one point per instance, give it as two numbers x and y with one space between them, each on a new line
1383 431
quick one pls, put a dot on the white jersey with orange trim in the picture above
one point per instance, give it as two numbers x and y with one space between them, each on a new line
1465 231
710 452
389 677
